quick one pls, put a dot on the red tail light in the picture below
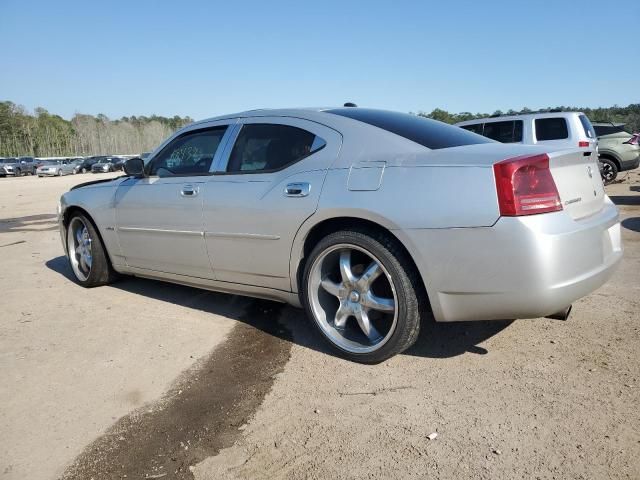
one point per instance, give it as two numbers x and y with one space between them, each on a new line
583 144
525 186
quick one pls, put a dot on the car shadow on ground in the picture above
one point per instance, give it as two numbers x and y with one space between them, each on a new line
629 200
436 340
32 223
632 224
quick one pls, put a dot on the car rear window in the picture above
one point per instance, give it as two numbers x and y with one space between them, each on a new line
608 129
586 125
551 128
424 131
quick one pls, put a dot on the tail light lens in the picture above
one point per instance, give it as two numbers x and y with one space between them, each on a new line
583 144
525 186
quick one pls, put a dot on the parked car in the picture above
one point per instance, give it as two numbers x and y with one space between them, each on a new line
367 218
118 163
87 163
55 168
103 165
555 129
17 166
617 150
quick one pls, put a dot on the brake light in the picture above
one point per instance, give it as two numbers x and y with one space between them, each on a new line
583 144
525 186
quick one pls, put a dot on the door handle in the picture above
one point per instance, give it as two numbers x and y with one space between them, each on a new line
301 189
189 191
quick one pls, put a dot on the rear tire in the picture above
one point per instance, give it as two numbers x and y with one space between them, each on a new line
609 170
364 295
86 253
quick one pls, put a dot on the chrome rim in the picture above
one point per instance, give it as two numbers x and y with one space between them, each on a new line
79 244
607 172
353 298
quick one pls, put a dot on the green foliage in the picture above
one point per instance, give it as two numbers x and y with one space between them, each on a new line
629 115
45 134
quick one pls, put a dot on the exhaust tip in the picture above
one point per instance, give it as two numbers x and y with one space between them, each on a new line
562 314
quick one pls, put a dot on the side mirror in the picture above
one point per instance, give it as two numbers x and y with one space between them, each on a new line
134 167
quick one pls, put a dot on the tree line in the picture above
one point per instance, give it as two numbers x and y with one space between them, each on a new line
43 134
629 115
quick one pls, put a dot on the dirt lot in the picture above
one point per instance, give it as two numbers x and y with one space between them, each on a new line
147 380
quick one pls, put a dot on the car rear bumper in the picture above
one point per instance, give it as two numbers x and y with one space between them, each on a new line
522 267
629 164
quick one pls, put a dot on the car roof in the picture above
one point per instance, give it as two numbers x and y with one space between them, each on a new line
304 112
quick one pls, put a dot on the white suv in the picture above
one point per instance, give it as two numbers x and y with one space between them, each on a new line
561 129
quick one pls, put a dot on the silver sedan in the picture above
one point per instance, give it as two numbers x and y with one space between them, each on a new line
55 168
373 221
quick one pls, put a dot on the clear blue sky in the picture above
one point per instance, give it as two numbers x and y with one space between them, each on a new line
203 58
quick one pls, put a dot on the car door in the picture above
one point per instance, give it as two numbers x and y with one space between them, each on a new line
268 185
159 217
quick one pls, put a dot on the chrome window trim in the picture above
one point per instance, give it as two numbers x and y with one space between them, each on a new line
220 162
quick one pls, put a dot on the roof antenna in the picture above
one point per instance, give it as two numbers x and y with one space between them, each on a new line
350 104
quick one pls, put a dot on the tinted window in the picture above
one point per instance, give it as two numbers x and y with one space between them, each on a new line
474 127
268 147
189 154
509 131
429 133
551 129
608 129
586 125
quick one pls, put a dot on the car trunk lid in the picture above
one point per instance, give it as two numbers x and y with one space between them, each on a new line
577 178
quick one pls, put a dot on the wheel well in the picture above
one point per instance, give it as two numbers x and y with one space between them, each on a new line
612 158
326 227
68 214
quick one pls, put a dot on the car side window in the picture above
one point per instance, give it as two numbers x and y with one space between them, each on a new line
189 154
474 127
266 147
509 131
551 128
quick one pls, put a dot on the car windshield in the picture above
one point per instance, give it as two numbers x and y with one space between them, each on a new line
49 162
104 160
8 160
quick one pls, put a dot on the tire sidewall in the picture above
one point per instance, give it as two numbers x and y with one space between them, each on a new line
100 267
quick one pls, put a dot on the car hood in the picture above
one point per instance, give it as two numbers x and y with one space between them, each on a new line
116 180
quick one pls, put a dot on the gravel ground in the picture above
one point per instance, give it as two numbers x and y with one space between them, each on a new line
74 360
150 380
527 399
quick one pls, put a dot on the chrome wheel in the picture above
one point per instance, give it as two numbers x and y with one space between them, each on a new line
353 298
79 244
607 172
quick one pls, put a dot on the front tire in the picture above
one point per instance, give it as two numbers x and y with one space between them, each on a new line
609 170
86 253
363 293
